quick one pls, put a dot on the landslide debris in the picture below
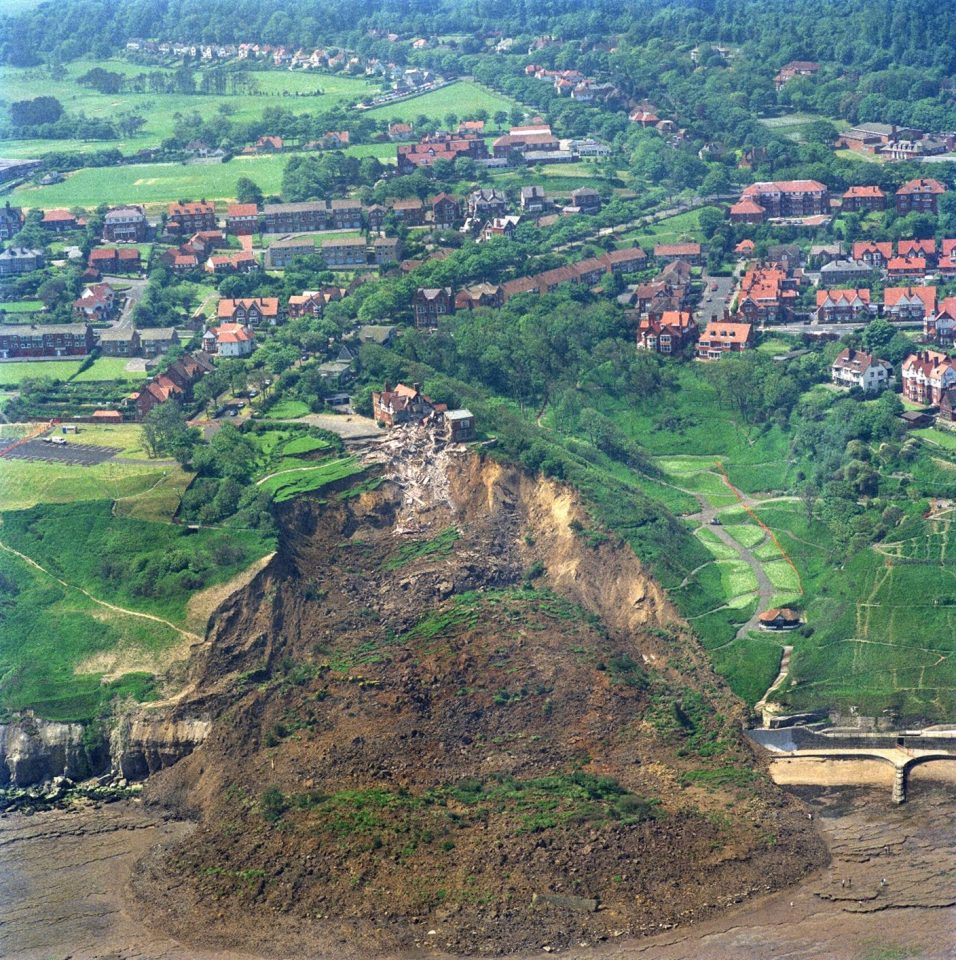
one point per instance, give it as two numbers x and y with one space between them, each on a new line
448 715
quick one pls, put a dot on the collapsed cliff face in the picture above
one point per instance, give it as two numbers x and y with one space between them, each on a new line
139 743
446 715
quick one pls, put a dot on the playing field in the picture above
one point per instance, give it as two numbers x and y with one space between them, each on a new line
463 99
300 92
155 183
11 374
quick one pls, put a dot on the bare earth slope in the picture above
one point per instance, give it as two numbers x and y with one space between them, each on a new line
446 714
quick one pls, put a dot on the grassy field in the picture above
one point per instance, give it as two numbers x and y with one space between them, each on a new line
298 92
22 306
463 99
14 372
155 184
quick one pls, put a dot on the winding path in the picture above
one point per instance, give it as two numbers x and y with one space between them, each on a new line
103 603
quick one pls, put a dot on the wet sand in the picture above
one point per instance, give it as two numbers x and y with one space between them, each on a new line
890 892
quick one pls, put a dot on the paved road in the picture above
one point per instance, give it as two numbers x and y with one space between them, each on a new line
133 296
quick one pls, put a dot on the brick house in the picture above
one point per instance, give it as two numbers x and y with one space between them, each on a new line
919 196
403 405
487 203
250 311
533 199
11 221
385 250
155 341
280 254
689 253
479 295
191 216
229 340
947 405
926 375
46 340
875 255
115 260
795 68
854 368
841 306
411 212
430 303
586 199
125 225
747 210
242 219
375 217
789 198
241 262
721 336
345 252
446 210
667 333
941 325
119 342
58 221
901 267
175 384
97 302
863 199
917 248
16 260
909 303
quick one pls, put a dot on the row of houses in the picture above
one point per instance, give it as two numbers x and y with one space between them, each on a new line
429 305
778 199
28 341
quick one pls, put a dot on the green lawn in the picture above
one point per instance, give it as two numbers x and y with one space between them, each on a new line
155 184
463 99
13 372
297 91
22 306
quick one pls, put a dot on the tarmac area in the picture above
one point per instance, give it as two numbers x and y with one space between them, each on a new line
79 454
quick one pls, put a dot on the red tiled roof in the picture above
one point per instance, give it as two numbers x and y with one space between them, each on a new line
677 250
725 332
268 306
848 295
784 186
747 206
893 295
242 210
906 264
863 192
921 185
58 216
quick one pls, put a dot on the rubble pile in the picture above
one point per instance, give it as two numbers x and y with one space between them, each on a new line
417 459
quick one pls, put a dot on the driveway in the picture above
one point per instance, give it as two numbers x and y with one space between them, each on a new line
713 309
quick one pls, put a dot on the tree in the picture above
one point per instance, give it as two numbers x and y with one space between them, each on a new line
809 494
29 113
247 191
877 336
500 118
165 431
